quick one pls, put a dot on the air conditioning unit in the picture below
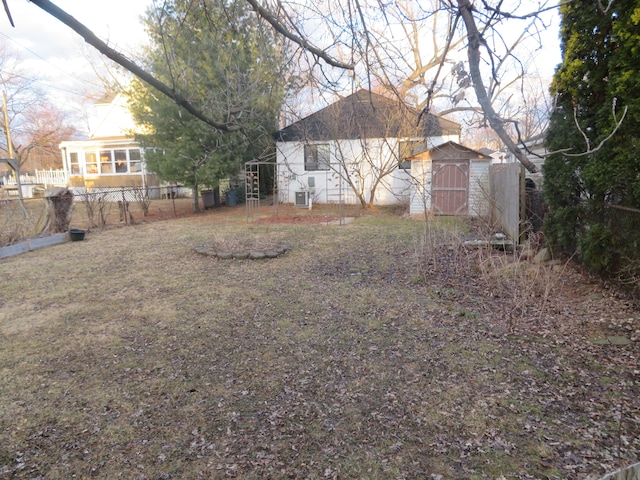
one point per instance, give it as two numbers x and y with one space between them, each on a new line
302 199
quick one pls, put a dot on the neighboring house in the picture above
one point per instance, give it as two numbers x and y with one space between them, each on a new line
498 157
355 145
110 157
450 179
536 151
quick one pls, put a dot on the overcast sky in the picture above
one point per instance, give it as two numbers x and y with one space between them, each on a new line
57 55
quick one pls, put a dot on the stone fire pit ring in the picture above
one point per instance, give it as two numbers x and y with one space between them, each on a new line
243 254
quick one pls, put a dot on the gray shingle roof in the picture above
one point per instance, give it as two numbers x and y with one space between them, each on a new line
365 114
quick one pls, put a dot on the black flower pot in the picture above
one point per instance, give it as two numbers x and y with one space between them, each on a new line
76 234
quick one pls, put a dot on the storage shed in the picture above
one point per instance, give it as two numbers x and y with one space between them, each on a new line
450 179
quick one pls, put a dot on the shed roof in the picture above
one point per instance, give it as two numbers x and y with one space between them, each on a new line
365 114
450 151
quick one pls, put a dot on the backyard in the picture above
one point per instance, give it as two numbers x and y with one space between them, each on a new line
379 349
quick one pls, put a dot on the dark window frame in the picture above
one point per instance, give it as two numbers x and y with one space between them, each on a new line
317 157
405 150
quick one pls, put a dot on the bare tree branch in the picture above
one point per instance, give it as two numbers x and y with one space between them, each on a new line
6 9
282 30
582 132
590 150
501 13
475 41
448 45
120 59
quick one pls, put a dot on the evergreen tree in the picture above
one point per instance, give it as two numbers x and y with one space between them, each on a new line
589 194
227 62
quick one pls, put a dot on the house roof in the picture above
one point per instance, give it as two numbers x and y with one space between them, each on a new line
486 151
450 151
365 114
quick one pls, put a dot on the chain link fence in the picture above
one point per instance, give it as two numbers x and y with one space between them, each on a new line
624 222
90 209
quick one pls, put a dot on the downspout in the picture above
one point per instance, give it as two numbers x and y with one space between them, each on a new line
65 164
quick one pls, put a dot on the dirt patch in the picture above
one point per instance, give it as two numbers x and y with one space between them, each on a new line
183 208
298 219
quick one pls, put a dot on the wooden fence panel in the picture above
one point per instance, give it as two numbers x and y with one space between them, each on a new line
632 472
504 191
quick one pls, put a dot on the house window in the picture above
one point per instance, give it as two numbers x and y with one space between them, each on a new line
135 162
106 162
120 157
91 161
74 164
405 150
316 157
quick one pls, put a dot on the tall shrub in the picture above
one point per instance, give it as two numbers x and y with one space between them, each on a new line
592 187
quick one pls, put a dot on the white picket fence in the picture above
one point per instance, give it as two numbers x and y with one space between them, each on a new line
46 178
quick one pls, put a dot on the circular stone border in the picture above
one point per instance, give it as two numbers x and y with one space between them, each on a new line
273 251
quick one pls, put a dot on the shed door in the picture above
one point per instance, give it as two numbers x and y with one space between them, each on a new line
450 187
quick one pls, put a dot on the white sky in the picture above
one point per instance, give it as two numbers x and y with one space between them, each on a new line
56 55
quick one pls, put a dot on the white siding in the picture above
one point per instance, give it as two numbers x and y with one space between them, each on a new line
293 178
348 158
479 187
331 187
420 187
112 119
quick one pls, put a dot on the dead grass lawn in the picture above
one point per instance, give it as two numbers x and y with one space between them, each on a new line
128 355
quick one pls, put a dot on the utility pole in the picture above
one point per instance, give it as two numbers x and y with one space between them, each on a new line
12 162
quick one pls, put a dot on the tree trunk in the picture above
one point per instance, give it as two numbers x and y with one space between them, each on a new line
60 201
475 40
196 201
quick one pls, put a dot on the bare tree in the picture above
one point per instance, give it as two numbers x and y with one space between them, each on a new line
380 136
36 126
349 39
367 165
529 108
475 42
416 53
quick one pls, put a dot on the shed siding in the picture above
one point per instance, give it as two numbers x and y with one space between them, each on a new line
421 188
479 187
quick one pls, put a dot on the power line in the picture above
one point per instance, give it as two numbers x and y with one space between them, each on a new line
51 86
84 81
71 74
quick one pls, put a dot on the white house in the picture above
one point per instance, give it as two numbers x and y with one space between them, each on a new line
450 179
356 150
536 151
110 157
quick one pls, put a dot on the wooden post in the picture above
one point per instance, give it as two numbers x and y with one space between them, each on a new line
124 211
12 162
523 205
